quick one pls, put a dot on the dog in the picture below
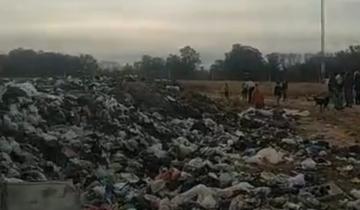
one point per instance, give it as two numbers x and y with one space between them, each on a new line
322 102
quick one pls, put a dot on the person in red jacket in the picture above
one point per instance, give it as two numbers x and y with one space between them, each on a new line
258 98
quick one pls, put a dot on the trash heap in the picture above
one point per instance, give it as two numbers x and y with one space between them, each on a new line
145 146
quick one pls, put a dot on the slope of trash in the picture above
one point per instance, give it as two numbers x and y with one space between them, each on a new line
145 146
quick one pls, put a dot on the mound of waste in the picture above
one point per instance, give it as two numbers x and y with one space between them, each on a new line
145 146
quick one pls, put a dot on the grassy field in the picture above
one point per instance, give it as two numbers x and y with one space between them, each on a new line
296 90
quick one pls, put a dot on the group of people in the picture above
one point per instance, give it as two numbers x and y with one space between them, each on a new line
250 92
247 90
344 89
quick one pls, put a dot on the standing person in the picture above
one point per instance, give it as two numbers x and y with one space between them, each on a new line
226 91
331 87
278 92
348 87
284 90
339 91
251 87
244 91
357 87
258 98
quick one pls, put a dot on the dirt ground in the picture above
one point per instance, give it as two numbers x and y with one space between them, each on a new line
341 128
296 90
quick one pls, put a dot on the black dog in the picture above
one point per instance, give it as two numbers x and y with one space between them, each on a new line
322 102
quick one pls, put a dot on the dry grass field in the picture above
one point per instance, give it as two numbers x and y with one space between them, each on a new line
338 127
296 90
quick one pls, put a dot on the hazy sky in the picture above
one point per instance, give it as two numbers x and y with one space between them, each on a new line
123 30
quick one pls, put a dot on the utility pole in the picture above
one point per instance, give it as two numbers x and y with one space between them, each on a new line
323 65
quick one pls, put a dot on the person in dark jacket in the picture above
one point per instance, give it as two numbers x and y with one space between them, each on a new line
278 92
357 87
284 90
331 87
348 88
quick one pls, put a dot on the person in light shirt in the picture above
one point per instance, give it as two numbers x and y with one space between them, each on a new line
250 87
339 91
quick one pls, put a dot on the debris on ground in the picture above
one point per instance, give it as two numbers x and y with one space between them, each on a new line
146 146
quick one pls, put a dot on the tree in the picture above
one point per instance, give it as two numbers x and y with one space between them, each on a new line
26 62
183 66
128 69
2 61
151 67
217 70
218 65
273 66
244 61
158 67
190 59
174 66
349 58
88 64
21 62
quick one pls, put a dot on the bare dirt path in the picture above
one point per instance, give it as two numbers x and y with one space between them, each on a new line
341 128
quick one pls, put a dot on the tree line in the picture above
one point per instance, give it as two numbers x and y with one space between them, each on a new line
241 62
29 63
185 65
244 62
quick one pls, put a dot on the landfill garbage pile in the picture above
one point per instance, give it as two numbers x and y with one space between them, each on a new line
144 146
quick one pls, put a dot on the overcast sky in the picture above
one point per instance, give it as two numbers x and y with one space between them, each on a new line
123 30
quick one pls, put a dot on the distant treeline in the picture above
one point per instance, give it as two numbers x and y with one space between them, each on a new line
245 62
29 63
240 63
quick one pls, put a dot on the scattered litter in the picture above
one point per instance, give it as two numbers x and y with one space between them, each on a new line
267 155
355 193
146 146
308 164
297 113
